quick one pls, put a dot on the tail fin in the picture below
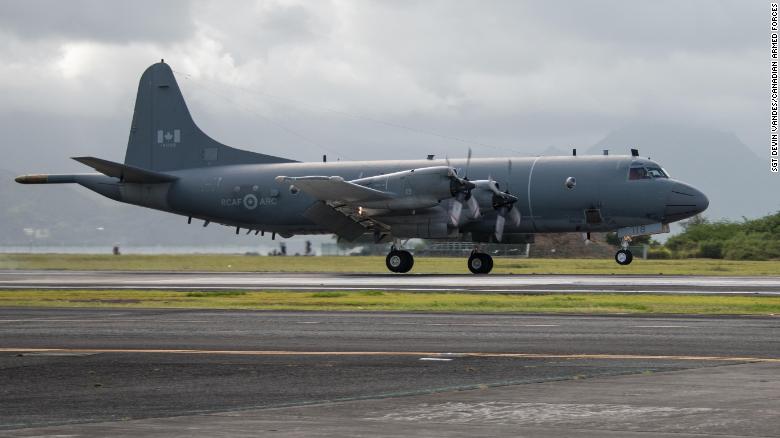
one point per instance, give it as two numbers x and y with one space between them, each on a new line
163 135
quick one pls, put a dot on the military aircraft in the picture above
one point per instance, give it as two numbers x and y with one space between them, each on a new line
171 165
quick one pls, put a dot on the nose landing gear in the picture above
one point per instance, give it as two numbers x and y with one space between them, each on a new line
624 256
480 263
399 260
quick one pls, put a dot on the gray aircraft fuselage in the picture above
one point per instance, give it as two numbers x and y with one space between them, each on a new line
171 165
218 193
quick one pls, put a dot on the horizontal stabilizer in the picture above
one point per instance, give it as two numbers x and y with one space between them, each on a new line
124 172
334 188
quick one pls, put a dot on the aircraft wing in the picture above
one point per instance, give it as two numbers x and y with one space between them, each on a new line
334 188
336 209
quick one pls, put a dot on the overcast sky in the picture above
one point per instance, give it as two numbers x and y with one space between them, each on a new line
364 79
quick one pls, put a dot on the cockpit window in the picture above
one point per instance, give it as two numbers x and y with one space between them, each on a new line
656 172
648 172
637 173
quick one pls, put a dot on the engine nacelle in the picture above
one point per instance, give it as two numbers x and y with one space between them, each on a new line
416 188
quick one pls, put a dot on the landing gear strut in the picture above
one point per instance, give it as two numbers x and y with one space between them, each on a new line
399 260
480 263
624 256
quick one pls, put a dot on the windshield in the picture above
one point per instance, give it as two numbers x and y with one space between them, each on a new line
646 172
656 172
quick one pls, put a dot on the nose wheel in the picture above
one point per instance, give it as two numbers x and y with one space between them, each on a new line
399 261
624 257
480 263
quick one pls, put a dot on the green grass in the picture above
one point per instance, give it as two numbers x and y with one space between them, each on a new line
231 293
397 301
427 265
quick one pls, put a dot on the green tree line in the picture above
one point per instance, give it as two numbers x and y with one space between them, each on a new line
756 239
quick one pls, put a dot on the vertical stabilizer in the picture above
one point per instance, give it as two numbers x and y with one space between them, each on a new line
163 135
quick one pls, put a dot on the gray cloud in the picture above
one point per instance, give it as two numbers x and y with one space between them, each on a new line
278 76
97 20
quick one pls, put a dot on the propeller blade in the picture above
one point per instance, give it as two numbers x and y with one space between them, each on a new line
500 220
474 208
456 208
494 187
468 163
514 217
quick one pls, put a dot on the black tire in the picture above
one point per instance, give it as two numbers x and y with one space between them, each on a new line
489 264
399 261
624 257
480 263
408 261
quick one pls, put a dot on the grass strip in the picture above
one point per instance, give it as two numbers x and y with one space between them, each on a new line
423 265
396 301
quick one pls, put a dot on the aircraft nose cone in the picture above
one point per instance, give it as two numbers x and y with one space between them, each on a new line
702 202
683 202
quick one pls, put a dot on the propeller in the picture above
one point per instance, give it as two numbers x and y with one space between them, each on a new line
461 192
504 204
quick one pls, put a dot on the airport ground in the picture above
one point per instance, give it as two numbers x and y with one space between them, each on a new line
615 363
152 372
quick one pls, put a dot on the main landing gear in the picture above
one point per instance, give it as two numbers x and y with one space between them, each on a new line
624 256
480 263
399 260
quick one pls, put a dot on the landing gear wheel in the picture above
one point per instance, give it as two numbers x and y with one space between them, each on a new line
399 261
624 257
480 263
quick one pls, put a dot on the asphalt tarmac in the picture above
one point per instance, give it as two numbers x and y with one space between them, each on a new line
128 372
392 282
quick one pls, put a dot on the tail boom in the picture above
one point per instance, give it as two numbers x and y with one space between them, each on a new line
40 178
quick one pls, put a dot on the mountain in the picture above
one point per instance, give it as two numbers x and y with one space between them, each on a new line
737 182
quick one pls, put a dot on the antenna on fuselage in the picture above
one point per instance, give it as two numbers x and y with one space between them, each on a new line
634 152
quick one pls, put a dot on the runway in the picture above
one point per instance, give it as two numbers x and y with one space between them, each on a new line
130 372
391 282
